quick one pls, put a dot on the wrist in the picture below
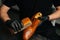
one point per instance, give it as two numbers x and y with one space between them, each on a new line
6 19
50 17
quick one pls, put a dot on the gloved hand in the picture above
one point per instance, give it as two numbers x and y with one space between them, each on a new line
14 24
18 25
44 18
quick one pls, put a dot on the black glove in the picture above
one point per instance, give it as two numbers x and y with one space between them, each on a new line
14 24
44 18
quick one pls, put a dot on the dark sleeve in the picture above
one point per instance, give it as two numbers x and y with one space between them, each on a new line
9 3
56 3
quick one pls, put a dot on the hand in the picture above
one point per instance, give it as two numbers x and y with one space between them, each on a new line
14 24
44 18
18 25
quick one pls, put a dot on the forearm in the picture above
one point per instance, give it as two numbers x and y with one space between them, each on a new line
4 15
55 15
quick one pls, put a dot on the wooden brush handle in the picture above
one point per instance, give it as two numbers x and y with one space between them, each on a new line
27 33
